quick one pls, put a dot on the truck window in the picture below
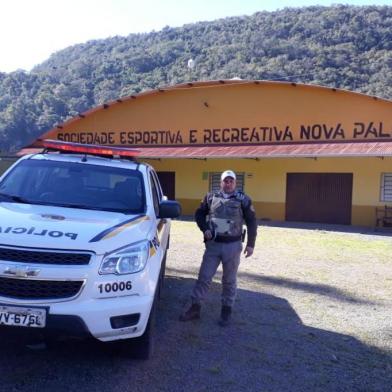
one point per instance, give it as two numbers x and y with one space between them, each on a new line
155 195
73 184
157 184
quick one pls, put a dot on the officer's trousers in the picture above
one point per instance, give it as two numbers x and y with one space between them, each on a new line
216 252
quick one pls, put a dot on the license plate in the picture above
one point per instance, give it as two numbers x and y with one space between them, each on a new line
22 317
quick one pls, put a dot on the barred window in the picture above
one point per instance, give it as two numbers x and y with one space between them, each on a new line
215 181
386 187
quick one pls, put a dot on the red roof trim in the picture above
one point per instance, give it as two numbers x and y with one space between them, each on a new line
325 150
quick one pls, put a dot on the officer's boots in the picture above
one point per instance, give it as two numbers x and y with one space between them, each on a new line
192 313
225 316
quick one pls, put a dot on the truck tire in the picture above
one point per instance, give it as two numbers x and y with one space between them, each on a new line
143 346
161 282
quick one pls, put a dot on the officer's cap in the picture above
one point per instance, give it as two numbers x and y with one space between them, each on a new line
228 173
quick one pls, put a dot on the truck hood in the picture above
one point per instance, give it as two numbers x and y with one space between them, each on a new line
49 227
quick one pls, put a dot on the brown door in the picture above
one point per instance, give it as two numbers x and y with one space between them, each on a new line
168 181
319 197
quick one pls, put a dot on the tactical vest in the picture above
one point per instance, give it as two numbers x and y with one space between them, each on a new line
226 217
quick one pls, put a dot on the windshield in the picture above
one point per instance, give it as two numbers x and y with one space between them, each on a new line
74 185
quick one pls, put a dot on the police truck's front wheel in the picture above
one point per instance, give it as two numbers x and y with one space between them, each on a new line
143 346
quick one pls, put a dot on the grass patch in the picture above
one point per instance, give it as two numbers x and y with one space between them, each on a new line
315 244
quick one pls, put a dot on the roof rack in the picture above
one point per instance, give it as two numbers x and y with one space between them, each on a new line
89 149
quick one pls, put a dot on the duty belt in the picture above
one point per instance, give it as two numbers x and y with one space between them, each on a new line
227 239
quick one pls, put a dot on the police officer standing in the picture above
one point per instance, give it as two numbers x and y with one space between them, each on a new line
220 217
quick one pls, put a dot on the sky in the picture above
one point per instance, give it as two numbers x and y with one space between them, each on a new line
31 30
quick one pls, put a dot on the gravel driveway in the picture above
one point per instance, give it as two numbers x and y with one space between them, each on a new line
313 314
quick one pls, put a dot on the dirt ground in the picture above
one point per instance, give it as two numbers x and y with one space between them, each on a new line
313 313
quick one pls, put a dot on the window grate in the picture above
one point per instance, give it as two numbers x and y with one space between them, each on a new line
386 187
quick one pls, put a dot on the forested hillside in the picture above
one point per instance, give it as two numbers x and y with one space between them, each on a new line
342 46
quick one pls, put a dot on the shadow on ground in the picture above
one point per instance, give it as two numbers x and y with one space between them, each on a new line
318 289
324 290
267 348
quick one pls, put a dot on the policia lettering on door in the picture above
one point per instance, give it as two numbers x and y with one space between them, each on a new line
35 231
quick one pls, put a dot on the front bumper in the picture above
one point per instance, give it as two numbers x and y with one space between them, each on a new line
104 319
98 315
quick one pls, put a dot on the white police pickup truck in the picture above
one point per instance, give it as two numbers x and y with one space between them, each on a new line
83 237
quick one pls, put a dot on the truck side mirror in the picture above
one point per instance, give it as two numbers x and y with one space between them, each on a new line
169 209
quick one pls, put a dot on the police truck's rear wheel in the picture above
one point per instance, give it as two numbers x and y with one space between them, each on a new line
162 277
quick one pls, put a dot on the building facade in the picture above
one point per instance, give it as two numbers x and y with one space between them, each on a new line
303 153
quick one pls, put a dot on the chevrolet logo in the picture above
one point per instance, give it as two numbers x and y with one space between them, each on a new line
21 271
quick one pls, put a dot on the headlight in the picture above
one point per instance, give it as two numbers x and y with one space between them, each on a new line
126 261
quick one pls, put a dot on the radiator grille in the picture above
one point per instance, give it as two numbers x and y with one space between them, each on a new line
42 257
38 289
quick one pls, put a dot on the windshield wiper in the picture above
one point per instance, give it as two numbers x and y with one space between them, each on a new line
86 207
75 205
14 198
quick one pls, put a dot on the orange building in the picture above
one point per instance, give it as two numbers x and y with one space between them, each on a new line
303 153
